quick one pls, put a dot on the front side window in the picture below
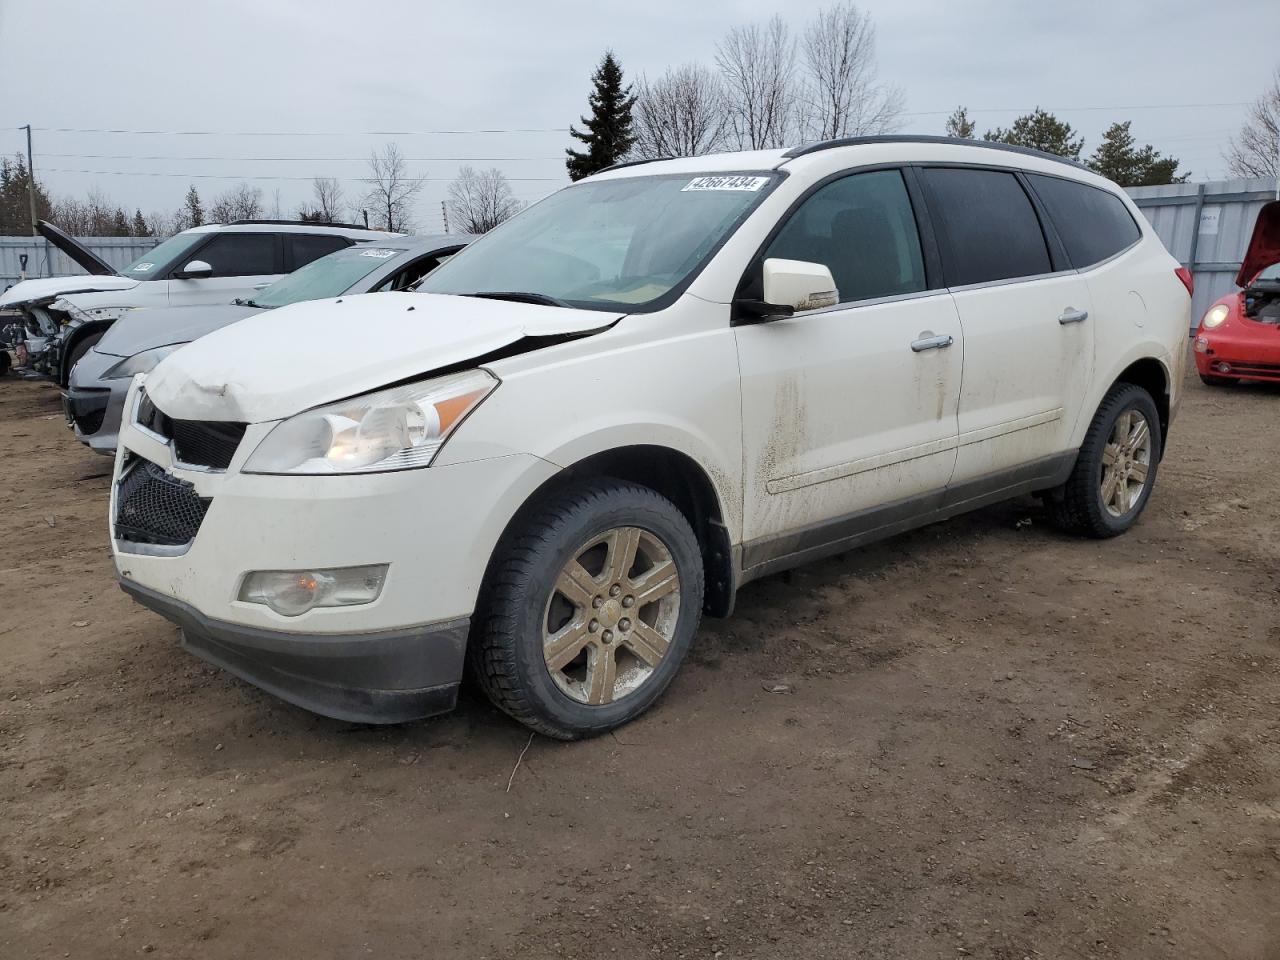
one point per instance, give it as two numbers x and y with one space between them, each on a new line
988 230
329 276
862 228
240 254
619 244
1092 223
157 262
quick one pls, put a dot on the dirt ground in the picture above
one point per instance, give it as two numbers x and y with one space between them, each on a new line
998 742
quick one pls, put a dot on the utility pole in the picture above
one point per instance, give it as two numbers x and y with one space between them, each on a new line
31 184
444 212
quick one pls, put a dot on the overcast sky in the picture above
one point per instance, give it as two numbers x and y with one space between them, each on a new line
339 71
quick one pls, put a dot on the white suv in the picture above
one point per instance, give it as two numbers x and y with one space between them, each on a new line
603 418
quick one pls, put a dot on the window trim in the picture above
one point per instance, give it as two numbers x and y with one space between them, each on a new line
194 254
928 251
1017 174
1125 206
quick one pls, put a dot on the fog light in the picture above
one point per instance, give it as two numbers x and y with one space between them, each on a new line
1222 367
292 593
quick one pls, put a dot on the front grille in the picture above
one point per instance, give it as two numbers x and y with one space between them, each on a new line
197 443
154 507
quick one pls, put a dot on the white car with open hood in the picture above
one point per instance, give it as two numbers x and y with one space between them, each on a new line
600 420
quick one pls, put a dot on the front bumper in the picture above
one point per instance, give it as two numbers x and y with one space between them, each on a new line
436 529
384 677
1247 354
94 406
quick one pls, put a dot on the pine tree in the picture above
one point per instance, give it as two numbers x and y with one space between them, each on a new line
608 137
15 212
140 228
1042 131
119 223
192 211
1117 158
959 125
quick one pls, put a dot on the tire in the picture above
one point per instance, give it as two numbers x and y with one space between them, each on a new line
1078 506
522 607
1219 381
83 345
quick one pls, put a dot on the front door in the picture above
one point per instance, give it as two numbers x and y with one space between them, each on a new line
849 413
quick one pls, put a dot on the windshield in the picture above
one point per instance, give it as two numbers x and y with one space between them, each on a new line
609 245
1270 273
327 277
154 262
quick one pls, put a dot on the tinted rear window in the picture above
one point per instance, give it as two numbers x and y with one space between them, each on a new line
1093 224
988 229
312 246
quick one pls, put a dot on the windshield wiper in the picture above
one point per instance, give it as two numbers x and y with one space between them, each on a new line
520 296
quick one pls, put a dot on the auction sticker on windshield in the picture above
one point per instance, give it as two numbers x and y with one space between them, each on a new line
735 182
379 254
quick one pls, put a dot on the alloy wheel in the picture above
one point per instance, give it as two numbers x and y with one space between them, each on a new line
1126 461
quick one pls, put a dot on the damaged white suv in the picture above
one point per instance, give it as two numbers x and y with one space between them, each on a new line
603 418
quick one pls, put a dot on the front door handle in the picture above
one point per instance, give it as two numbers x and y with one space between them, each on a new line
931 343
1072 315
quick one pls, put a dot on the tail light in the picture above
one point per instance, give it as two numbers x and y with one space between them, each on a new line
1187 279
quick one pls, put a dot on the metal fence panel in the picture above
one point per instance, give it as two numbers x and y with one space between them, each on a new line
45 260
1206 226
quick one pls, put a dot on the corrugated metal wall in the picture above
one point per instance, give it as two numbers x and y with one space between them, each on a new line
1206 226
44 260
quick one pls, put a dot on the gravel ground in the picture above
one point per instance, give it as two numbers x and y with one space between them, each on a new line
995 741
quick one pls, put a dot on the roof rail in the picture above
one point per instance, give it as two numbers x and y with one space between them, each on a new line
632 163
299 223
808 148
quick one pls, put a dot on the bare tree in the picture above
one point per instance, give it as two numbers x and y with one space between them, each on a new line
391 189
241 202
681 114
840 93
757 65
479 201
1255 149
328 198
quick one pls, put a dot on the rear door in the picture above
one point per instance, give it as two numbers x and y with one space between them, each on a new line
1028 343
242 263
851 408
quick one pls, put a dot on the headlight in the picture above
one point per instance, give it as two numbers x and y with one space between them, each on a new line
394 429
143 362
1216 316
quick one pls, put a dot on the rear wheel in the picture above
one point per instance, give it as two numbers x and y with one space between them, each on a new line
589 609
1116 469
1218 381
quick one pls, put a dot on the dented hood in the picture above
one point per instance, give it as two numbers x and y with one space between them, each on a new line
1264 245
45 288
281 362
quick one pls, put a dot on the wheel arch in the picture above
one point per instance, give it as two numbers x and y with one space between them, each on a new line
1153 376
678 477
74 337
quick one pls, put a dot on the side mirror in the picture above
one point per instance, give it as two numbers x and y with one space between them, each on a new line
195 270
790 286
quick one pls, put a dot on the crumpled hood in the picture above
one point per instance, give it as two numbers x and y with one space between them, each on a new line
139 330
1264 245
281 362
28 291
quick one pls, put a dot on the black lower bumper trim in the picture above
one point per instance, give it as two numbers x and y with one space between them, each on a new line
385 677
86 408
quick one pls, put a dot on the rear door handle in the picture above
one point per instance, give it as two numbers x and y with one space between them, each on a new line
1072 315
931 343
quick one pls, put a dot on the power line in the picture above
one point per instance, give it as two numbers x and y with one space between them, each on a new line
229 176
1146 106
299 133
127 156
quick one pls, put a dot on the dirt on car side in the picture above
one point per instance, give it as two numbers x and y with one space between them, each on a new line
980 739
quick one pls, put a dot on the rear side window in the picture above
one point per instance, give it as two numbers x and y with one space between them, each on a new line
988 229
240 254
310 246
863 229
1093 224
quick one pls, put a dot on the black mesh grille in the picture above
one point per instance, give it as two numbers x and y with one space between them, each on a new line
201 443
154 507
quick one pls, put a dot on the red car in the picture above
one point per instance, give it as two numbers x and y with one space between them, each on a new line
1239 336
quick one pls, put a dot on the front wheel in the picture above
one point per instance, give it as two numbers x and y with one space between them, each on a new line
1116 468
589 609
